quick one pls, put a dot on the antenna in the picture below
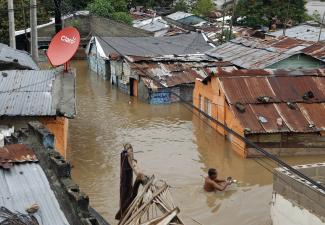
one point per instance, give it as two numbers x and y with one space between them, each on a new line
63 47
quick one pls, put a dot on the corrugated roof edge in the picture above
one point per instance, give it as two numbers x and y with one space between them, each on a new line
73 202
266 72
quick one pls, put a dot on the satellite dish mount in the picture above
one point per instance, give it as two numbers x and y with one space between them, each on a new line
63 47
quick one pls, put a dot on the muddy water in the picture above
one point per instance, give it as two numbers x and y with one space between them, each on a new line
171 143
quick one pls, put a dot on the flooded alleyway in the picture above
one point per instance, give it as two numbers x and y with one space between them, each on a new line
171 143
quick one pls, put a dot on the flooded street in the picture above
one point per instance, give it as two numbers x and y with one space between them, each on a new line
171 143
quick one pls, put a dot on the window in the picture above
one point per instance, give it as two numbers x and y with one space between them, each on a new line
200 102
207 106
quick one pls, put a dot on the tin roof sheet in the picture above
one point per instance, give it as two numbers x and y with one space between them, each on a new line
37 93
285 102
169 74
16 153
256 53
26 184
152 24
192 43
303 32
179 15
246 90
11 58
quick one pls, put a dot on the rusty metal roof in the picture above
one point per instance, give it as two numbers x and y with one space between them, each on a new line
16 153
246 90
297 100
169 74
256 53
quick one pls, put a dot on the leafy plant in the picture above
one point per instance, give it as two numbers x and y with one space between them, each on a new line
203 7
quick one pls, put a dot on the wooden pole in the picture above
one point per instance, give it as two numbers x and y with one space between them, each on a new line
126 179
321 26
232 19
11 18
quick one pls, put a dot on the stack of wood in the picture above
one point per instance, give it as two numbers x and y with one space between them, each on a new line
152 205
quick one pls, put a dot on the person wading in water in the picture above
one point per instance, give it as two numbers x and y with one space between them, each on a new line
212 183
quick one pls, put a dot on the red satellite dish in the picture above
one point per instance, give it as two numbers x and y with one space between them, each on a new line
63 46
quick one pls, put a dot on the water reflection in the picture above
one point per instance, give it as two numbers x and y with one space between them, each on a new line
172 144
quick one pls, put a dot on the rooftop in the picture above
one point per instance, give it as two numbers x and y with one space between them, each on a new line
179 15
26 184
259 100
256 53
152 24
303 32
37 93
192 43
34 176
11 58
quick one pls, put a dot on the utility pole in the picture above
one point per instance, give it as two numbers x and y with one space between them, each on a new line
11 18
58 15
33 29
286 19
223 20
232 18
321 26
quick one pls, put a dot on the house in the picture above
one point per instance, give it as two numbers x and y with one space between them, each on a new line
36 182
11 58
101 48
162 80
279 110
274 53
303 31
47 96
296 200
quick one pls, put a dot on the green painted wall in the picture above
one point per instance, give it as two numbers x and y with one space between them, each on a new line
299 61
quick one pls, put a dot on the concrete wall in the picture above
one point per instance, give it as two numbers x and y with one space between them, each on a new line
295 201
59 126
220 111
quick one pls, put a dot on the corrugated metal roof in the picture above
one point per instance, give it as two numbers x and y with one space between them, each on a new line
16 153
179 15
303 32
152 24
284 98
192 43
37 93
256 53
11 58
246 90
26 184
169 74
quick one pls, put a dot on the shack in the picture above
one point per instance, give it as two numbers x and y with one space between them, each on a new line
279 110
101 48
274 53
36 184
47 96
164 80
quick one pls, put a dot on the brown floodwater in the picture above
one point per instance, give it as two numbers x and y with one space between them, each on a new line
172 143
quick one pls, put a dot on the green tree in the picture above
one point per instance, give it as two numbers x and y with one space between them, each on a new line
21 17
181 5
203 7
113 9
261 12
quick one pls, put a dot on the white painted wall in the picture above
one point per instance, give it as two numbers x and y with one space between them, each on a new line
284 212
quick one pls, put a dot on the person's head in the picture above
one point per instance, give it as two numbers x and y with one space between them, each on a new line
212 172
